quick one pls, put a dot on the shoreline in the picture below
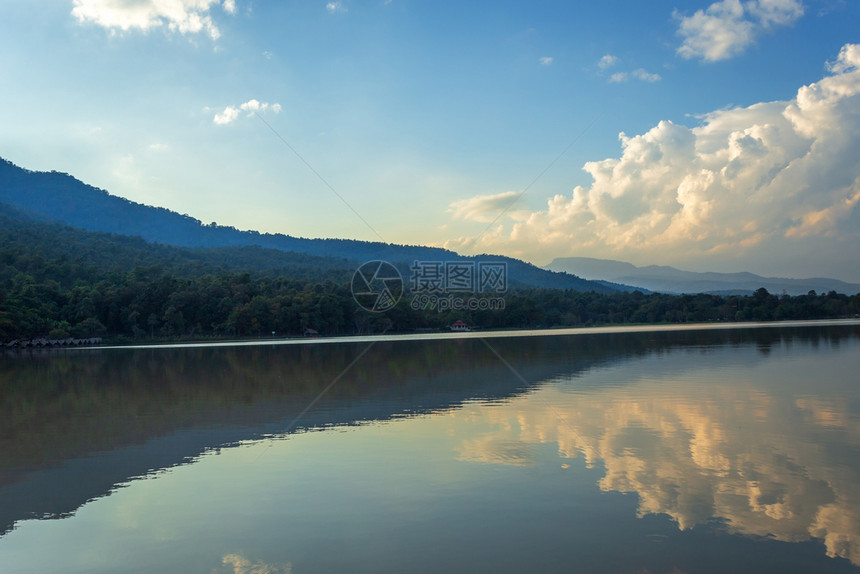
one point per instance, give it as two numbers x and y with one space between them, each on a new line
566 331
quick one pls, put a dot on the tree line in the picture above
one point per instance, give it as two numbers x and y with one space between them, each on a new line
58 282
150 304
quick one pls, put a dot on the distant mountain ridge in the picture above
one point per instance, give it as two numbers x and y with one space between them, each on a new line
59 197
664 279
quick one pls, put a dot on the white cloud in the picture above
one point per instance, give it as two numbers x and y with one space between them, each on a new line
769 181
231 113
847 61
608 61
255 106
183 16
640 74
646 76
775 12
336 7
546 61
717 33
483 208
726 28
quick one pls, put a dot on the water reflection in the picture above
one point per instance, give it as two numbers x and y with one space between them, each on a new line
238 564
772 450
60 405
755 428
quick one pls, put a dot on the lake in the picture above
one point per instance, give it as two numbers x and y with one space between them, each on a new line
622 450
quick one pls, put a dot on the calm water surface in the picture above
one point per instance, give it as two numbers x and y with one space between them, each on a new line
641 452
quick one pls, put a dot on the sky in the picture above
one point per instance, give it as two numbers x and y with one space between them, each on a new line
711 136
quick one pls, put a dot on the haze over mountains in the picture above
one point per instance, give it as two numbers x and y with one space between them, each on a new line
663 279
59 197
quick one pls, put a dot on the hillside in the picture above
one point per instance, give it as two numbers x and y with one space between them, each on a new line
59 197
663 279
53 251
58 282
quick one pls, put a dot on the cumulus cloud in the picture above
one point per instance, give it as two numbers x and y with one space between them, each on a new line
607 61
227 116
546 61
847 61
183 16
760 177
231 113
725 29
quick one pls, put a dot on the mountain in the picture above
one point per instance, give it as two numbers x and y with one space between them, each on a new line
59 197
66 254
663 279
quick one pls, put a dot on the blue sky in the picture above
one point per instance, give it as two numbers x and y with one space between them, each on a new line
430 118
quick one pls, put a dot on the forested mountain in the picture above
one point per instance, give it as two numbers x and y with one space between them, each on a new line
57 281
67 254
59 197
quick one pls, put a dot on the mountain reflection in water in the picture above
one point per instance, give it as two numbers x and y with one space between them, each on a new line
754 430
